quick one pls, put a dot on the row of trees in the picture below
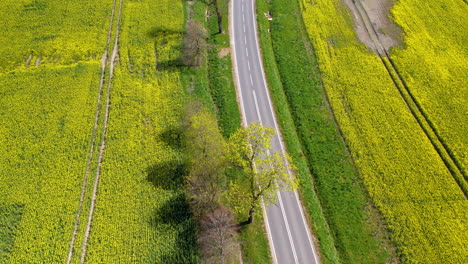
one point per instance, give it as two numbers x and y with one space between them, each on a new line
259 175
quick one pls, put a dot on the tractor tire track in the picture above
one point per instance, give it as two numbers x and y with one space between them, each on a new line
414 106
104 62
103 137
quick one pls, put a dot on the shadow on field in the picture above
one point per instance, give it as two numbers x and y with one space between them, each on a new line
167 175
175 215
156 32
172 137
169 65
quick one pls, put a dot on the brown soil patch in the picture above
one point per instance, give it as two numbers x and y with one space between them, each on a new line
388 32
38 61
29 60
224 52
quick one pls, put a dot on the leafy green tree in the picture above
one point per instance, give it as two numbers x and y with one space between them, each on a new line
206 149
264 173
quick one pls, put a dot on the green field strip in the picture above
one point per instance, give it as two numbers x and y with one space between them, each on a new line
322 151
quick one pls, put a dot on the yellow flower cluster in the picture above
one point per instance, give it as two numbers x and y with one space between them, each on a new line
46 118
140 215
52 31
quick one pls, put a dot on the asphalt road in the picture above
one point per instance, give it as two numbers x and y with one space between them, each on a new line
289 235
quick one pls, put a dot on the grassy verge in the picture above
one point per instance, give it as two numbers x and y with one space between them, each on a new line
341 217
221 82
213 84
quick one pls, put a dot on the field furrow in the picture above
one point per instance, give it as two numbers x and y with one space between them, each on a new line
104 65
453 165
392 133
102 148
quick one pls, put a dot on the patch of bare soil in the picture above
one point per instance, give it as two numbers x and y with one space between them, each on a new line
224 52
378 12
29 60
38 61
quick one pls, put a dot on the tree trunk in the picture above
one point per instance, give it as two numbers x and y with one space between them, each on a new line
250 219
220 18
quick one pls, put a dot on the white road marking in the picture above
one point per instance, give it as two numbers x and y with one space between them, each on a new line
247 51
244 121
251 80
278 131
287 227
257 108
248 65
281 205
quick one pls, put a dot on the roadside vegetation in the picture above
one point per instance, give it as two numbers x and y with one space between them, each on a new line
343 220
212 84
405 174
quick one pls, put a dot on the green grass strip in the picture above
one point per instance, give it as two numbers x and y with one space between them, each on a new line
338 217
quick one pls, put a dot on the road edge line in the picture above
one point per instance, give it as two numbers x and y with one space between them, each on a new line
242 109
280 137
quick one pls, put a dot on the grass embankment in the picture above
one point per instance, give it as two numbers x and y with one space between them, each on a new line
410 185
213 84
342 216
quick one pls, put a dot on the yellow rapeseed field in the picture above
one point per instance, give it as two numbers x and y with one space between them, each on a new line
434 63
423 206
47 114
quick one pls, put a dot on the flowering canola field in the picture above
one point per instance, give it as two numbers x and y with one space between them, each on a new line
434 63
49 81
424 207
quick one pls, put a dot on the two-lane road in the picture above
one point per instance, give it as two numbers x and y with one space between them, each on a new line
289 236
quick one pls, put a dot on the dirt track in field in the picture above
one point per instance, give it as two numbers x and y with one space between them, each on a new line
103 138
104 63
381 48
378 12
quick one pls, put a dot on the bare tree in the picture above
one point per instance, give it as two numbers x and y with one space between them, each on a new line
218 237
194 44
